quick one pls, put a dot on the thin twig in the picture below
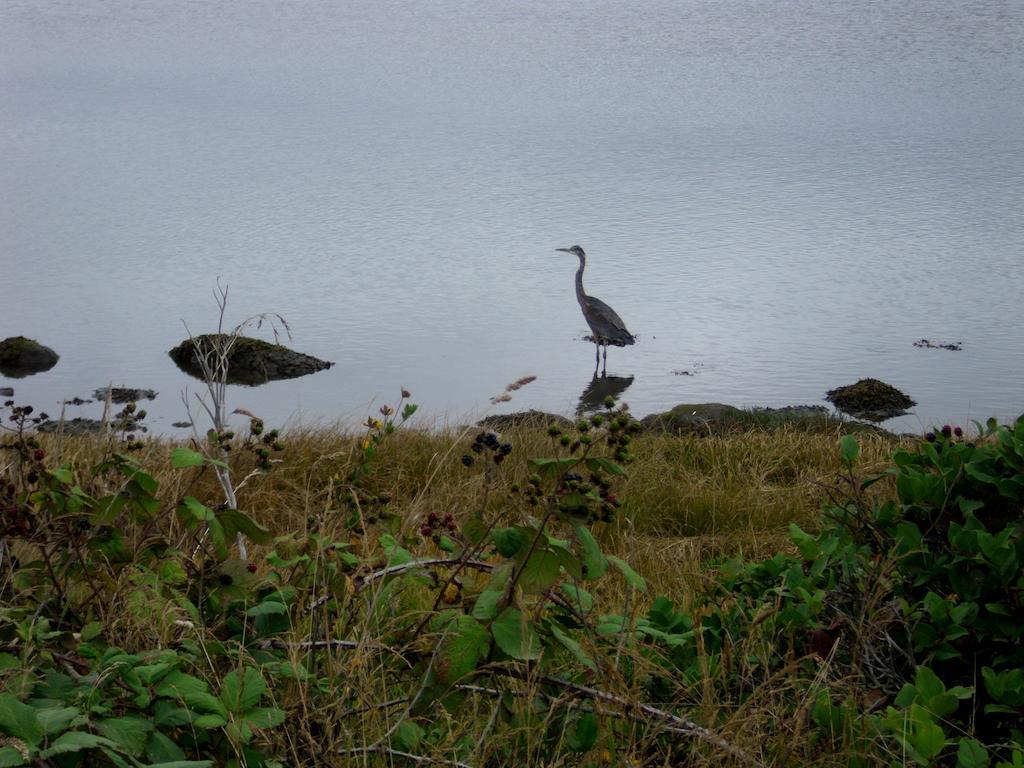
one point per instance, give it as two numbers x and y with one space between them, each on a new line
391 570
383 749
631 709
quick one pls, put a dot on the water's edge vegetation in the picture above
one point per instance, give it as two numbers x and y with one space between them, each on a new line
576 594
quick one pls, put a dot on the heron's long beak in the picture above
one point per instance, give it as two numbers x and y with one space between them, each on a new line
564 250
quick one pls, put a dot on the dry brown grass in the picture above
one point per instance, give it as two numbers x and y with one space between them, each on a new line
688 502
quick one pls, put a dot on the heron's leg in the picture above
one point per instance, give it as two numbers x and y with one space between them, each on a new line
597 354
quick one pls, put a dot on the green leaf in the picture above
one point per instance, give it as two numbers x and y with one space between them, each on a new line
193 510
515 636
56 719
235 522
508 541
91 631
578 598
633 579
210 722
408 735
395 554
161 749
183 764
928 684
218 537
177 685
552 467
594 561
409 410
264 717
76 741
242 689
542 570
465 643
207 703
849 449
166 715
267 608
150 673
806 543
11 758
130 733
572 647
182 458
19 720
928 739
584 735
602 464
487 602
971 754
62 475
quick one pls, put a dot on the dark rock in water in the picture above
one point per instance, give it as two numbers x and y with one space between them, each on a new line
531 418
870 399
250 361
81 426
182 424
20 357
77 426
6 391
76 401
124 394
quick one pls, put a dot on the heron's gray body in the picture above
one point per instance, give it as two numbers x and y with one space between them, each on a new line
606 326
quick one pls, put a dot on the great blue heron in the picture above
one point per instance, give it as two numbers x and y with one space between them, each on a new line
606 327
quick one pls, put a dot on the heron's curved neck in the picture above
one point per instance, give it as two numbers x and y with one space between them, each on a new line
580 294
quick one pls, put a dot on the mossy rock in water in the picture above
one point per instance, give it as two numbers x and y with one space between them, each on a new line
250 361
870 399
719 419
121 395
695 417
20 357
523 419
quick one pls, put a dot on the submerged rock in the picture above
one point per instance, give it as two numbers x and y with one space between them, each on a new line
719 418
531 418
6 391
121 422
870 399
250 361
77 426
20 357
121 395
694 417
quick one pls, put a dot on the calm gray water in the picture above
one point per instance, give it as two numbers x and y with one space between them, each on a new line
778 197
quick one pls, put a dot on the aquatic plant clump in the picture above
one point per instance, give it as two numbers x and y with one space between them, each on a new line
870 399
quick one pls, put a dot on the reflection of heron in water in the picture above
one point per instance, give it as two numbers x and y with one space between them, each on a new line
606 326
600 387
